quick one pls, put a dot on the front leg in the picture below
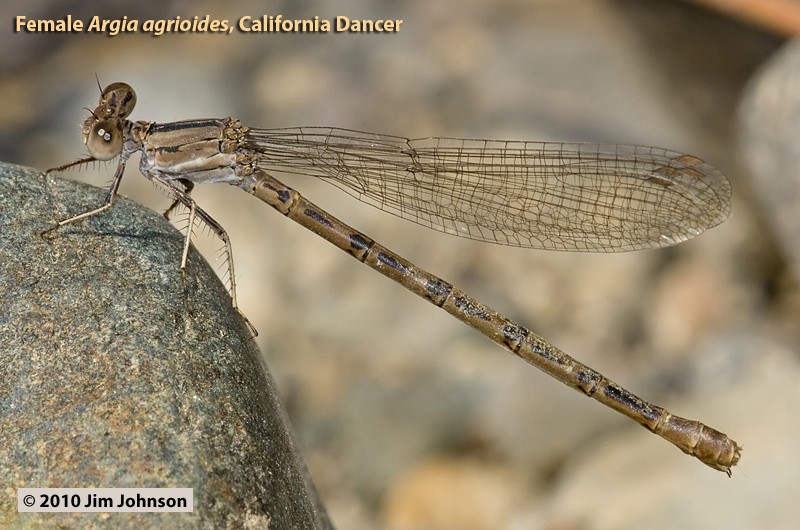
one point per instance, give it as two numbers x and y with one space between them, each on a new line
112 194
71 164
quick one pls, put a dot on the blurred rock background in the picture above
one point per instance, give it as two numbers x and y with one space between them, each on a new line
409 420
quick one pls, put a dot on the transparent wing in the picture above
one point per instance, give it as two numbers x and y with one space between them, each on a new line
557 196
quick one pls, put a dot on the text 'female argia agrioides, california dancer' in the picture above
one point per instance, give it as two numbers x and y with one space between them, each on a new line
557 196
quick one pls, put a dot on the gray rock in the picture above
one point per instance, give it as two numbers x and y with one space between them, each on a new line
769 124
114 375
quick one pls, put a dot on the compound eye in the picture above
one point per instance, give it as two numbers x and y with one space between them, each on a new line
104 140
118 100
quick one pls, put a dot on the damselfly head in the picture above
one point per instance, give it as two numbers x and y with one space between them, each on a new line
103 130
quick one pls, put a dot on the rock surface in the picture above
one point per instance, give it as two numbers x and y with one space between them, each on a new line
113 375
